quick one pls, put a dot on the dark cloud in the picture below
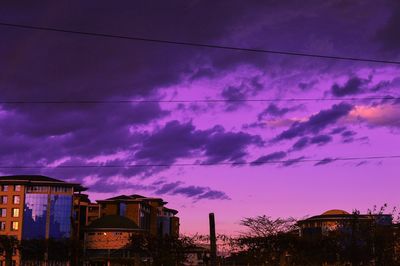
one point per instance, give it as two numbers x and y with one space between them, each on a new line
275 156
389 34
193 192
354 85
229 146
275 111
293 161
338 130
168 187
301 144
325 161
304 142
305 86
173 141
177 140
315 123
321 139
348 136
235 95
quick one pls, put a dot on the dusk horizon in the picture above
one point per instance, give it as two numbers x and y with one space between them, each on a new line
274 108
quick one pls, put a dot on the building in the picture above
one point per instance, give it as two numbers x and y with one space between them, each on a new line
150 214
334 220
35 207
85 212
108 239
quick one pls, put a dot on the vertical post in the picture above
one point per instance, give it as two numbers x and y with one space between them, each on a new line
213 241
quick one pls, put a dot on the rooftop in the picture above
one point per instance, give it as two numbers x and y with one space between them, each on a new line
113 223
38 179
133 197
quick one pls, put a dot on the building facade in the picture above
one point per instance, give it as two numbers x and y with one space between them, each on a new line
44 213
334 220
150 214
34 207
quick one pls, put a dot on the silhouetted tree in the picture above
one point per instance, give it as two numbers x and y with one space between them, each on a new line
9 244
165 250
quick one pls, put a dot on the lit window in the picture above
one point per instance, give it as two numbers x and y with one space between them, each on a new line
3 200
17 187
15 212
16 199
2 226
3 212
14 226
4 188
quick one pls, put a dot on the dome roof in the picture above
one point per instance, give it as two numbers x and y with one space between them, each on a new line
335 212
113 222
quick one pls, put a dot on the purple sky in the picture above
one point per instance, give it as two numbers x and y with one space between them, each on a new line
48 66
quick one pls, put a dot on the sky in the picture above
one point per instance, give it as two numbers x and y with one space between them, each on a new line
278 158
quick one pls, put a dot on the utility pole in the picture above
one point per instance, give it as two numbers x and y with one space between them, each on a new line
213 241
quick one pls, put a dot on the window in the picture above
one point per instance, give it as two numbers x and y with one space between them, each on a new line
14 226
3 199
122 209
4 188
37 189
15 212
3 212
2 226
16 199
17 187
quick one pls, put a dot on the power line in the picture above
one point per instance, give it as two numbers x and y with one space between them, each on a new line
203 45
194 101
253 163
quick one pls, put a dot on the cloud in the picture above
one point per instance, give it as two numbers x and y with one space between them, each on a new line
235 95
301 144
275 156
325 161
274 111
386 115
182 140
315 123
293 161
305 142
229 146
354 85
321 139
338 130
388 34
193 192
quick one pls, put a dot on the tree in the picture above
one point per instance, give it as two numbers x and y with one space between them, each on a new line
9 244
162 250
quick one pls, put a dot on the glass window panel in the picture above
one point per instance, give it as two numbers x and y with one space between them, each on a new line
17 187
122 209
16 199
3 200
15 212
35 212
2 226
60 216
14 226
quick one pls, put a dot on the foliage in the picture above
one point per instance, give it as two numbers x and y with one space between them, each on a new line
355 241
8 244
165 250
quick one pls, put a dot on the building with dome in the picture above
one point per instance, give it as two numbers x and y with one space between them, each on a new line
333 220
